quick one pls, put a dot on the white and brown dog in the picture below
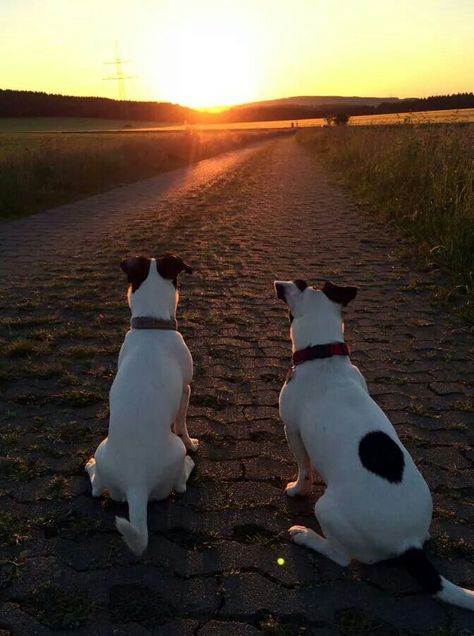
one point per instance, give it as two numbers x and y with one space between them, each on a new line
144 456
376 505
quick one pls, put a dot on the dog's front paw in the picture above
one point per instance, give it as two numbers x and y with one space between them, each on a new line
192 445
294 488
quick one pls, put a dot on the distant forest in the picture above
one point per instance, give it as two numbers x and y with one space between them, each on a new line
268 113
32 104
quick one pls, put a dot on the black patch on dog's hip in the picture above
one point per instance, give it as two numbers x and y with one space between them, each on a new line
382 456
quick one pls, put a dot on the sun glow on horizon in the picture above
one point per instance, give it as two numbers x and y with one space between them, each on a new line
213 68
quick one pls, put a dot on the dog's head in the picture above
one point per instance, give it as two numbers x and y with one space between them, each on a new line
153 290
315 314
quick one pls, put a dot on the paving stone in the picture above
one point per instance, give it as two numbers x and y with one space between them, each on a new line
217 628
177 628
250 595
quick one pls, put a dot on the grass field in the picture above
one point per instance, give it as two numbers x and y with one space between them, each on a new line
41 170
69 124
84 124
421 177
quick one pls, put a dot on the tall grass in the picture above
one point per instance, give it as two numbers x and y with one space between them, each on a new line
421 177
44 170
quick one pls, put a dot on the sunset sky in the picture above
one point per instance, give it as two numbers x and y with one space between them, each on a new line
216 52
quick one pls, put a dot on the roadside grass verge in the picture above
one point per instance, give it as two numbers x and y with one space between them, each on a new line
419 177
39 171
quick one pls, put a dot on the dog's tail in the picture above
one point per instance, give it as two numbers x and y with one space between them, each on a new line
415 561
135 531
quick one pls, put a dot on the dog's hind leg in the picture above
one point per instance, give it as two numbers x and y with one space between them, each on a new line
329 546
314 541
180 427
303 482
188 466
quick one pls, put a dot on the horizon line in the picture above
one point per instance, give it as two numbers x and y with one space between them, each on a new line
223 107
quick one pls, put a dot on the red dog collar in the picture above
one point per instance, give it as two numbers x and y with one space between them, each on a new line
320 351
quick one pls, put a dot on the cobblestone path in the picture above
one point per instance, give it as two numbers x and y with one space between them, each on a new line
242 219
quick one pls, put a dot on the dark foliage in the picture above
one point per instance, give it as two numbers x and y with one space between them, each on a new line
339 119
435 102
32 104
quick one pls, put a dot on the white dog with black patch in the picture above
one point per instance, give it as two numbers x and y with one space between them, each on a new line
144 456
376 505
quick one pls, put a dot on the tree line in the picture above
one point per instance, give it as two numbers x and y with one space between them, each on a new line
35 104
268 113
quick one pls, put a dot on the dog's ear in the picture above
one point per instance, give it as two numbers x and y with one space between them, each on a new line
171 266
280 290
137 269
289 291
301 284
339 294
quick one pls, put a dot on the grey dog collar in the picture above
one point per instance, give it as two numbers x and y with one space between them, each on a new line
145 322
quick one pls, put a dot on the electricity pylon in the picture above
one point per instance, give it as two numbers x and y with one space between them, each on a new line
119 76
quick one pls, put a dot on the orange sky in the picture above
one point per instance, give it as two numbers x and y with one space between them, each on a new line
215 52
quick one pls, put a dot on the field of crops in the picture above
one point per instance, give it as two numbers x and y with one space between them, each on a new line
425 117
454 116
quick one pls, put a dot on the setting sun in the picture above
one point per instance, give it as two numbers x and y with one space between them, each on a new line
209 55
214 67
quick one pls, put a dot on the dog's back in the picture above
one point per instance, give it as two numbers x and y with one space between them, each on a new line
147 389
